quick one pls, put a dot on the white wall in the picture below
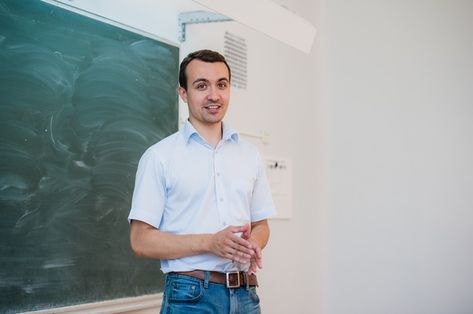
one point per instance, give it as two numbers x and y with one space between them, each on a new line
397 91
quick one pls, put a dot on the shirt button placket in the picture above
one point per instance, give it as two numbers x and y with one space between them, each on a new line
219 189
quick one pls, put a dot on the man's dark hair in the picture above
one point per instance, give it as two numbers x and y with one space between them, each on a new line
204 55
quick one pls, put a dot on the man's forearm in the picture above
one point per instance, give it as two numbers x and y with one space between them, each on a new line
147 241
260 233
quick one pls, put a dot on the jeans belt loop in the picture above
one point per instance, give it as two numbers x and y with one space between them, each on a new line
228 277
206 279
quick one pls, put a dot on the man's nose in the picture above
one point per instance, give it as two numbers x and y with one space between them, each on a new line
214 94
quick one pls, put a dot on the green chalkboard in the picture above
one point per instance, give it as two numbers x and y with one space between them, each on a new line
80 101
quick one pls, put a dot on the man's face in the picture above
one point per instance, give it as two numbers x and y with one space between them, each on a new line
208 92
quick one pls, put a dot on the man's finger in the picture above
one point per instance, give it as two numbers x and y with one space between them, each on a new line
259 262
243 245
258 253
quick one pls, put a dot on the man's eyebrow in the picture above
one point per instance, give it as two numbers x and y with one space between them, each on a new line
207 81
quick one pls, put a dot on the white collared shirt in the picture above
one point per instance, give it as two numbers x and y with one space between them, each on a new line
185 186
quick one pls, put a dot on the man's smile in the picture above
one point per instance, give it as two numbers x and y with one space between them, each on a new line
213 108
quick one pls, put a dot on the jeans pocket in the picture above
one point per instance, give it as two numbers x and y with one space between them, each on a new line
185 290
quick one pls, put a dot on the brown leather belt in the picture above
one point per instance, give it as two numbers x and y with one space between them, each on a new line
231 279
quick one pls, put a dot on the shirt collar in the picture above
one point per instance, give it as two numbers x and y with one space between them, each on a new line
189 131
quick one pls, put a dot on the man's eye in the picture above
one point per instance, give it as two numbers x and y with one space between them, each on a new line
201 86
222 85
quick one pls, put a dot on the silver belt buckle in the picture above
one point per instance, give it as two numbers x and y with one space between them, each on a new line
229 276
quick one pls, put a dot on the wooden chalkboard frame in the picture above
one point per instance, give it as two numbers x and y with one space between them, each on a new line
80 100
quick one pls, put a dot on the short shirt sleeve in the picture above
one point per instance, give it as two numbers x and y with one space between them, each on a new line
262 205
149 194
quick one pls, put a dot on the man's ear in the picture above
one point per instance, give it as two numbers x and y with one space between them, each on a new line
183 93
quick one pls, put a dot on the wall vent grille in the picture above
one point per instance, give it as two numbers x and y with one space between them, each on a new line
235 51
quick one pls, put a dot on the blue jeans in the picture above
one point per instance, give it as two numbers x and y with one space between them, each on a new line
184 295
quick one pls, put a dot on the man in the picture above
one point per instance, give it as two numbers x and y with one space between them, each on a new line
201 201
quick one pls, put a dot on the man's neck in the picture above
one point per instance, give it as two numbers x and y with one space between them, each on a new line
212 133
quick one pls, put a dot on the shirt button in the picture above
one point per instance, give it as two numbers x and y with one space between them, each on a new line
221 199
218 174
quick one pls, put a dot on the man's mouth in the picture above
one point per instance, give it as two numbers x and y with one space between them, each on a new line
212 109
